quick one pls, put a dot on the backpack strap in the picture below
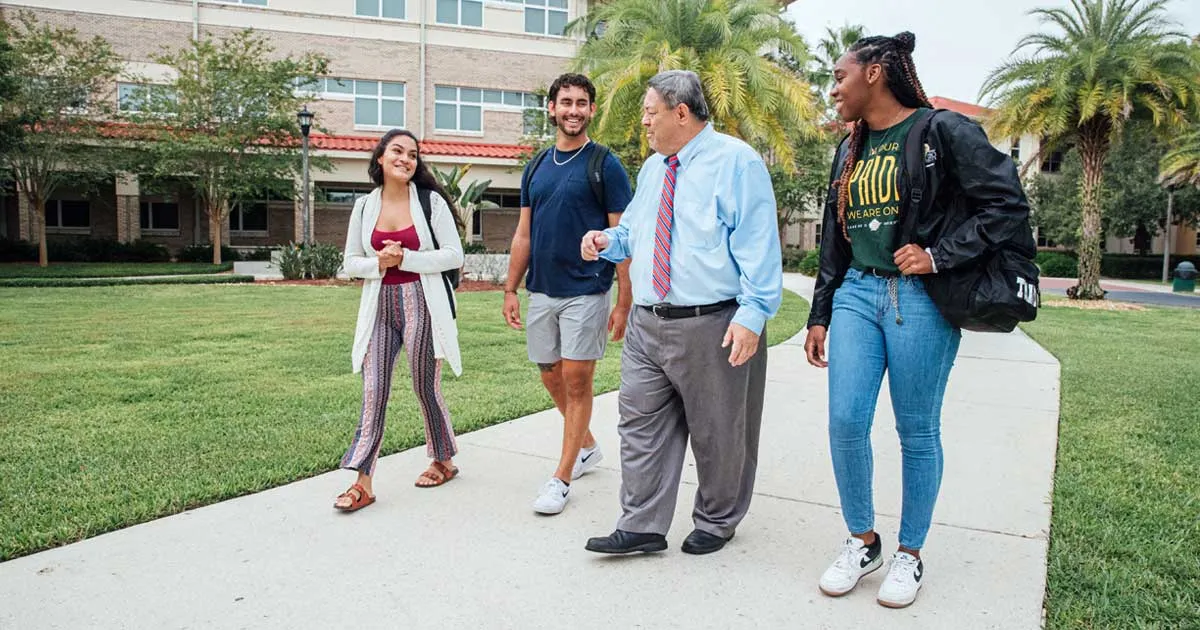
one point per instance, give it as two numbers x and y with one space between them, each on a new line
915 157
596 174
534 163
425 196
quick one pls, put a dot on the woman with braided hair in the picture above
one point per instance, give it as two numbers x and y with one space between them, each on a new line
871 298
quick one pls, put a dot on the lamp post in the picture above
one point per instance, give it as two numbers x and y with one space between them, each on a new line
305 118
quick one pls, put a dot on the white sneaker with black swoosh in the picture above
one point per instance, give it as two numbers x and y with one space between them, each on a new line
899 588
854 560
587 460
553 497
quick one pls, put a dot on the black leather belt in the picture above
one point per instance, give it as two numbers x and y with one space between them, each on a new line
879 273
670 311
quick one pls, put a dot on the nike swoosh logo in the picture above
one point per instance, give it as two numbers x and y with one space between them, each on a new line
587 457
862 564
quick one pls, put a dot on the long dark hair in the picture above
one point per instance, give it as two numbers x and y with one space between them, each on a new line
894 54
422 176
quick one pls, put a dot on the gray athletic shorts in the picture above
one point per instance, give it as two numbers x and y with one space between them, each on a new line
574 328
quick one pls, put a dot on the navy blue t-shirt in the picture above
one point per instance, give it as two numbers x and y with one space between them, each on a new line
563 210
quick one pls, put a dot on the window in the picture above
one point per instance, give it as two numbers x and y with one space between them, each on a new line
68 214
546 17
477 225
461 109
1042 241
326 87
1051 163
159 215
1015 149
1198 236
380 8
72 97
817 237
346 194
461 12
257 3
138 97
509 200
378 104
249 217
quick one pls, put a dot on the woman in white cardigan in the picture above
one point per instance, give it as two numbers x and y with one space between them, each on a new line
406 302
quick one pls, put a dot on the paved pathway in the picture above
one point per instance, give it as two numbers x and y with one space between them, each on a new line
473 555
1134 292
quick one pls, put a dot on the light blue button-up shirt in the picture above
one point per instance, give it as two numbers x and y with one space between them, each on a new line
725 237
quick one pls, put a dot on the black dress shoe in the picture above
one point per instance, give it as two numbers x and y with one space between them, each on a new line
627 542
701 542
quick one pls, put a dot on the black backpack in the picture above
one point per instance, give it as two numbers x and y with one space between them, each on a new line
595 171
450 276
992 295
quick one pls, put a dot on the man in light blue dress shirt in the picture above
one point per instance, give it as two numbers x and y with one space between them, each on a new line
707 274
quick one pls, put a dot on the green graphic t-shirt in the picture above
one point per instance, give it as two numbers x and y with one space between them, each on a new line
873 209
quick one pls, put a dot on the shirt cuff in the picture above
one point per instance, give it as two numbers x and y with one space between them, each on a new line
750 319
932 262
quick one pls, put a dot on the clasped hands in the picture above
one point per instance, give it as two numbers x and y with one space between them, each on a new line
391 255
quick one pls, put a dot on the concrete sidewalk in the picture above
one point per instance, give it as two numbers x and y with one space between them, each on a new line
472 554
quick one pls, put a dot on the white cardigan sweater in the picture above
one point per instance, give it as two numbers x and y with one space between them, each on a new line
362 261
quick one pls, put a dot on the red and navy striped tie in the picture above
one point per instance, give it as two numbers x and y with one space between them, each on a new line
662 232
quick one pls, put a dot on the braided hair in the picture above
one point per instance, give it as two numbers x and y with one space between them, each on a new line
894 54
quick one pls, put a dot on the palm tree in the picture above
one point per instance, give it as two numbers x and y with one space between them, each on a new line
468 201
1181 165
832 46
750 95
1097 65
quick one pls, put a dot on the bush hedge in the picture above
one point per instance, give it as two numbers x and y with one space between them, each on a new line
108 282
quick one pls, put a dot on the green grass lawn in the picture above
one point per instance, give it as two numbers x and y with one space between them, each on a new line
123 404
1124 538
107 270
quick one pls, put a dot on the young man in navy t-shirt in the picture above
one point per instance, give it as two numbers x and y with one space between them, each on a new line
568 298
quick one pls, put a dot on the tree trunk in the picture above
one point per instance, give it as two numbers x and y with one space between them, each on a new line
214 232
1093 149
39 210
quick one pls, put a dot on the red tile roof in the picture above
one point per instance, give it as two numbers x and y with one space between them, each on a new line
966 109
428 147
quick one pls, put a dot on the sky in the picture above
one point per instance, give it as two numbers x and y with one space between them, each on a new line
958 41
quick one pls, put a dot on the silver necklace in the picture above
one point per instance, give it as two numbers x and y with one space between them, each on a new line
568 160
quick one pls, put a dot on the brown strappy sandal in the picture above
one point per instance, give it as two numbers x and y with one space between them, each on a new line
359 499
438 473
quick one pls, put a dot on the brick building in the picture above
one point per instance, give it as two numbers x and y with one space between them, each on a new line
458 73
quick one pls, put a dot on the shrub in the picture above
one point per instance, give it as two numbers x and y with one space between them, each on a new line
1140 267
291 262
1057 265
17 251
321 261
108 282
203 254
144 251
259 254
792 257
810 263
475 248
